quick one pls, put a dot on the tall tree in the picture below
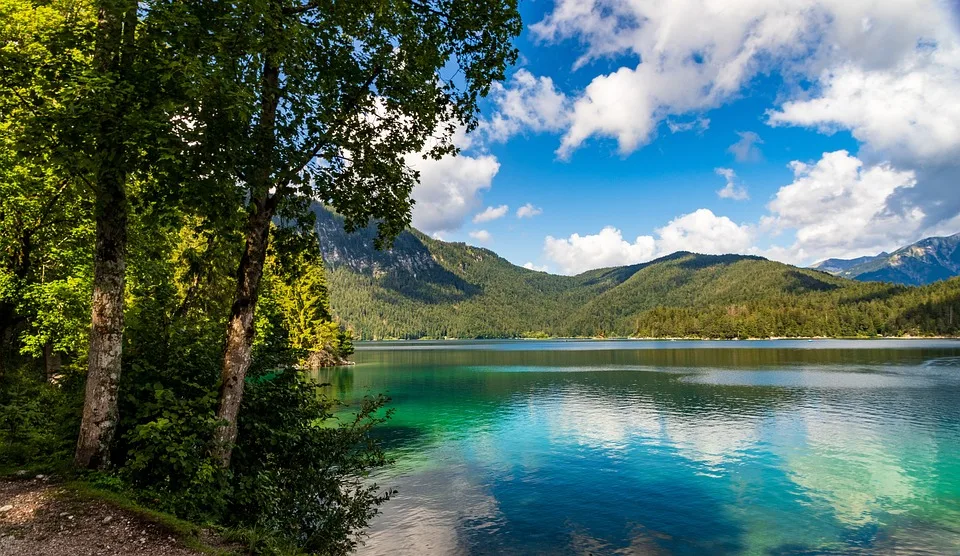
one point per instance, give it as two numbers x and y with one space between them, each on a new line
101 87
324 99
113 58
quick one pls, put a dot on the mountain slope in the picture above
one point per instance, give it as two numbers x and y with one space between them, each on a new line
924 262
429 288
838 266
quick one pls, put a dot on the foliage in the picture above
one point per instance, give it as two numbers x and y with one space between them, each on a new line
137 141
300 470
295 287
45 225
38 420
171 369
327 99
297 451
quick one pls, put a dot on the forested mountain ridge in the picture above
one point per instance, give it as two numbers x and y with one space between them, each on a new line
839 266
924 262
426 288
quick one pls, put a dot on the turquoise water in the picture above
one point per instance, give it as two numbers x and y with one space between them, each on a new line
632 447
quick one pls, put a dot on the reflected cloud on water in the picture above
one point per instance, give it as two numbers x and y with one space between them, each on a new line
531 458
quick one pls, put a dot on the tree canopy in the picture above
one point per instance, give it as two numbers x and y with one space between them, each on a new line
156 162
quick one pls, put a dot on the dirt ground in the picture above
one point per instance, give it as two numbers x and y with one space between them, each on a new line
40 518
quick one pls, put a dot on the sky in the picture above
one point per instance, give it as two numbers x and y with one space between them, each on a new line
797 130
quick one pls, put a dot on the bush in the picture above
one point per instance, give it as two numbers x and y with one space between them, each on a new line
301 471
39 421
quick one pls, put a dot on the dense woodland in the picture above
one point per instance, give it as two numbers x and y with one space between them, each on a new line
426 288
160 283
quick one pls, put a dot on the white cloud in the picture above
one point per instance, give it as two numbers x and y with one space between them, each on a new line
886 71
608 248
835 207
909 111
694 55
908 115
491 213
449 189
482 236
746 149
700 231
731 190
526 102
530 266
528 211
700 124
838 207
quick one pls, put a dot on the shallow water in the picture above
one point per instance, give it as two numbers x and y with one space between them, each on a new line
639 447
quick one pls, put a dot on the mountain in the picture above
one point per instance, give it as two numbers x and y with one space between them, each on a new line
924 262
838 266
426 288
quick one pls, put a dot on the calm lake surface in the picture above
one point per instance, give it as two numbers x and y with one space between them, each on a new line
641 447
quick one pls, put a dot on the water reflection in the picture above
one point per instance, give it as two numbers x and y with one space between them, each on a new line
575 451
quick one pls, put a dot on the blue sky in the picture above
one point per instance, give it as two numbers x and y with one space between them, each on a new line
837 121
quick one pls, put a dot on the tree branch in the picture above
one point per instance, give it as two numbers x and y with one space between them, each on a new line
354 102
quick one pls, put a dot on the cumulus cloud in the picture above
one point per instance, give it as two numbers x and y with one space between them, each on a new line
608 248
694 55
746 149
731 190
910 109
482 236
526 102
700 231
887 72
907 115
837 207
530 266
528 211
449 189
491 213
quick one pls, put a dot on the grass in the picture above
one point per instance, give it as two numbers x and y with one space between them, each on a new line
246 541
237 541
188 533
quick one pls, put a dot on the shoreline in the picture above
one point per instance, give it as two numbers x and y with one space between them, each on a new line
658 339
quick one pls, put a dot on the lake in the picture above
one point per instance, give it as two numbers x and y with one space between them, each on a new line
673 447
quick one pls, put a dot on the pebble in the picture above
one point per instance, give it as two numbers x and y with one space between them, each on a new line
107 519
64 514
6 508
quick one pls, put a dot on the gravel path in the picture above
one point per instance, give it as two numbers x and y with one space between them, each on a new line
38 518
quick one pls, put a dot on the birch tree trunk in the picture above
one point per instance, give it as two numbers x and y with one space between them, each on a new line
106 328
116 29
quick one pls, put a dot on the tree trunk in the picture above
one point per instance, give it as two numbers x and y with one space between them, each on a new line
106 327
117 22
52 362
239 344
